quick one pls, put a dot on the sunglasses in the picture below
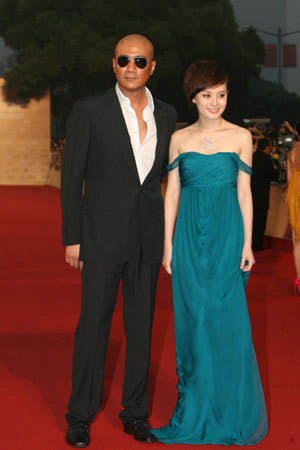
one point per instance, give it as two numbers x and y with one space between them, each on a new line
140 61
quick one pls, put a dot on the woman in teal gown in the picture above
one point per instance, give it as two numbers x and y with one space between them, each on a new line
220 397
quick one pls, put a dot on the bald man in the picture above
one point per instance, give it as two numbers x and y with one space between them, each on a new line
116 145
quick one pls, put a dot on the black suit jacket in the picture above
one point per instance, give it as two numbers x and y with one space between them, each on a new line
116 213
263 173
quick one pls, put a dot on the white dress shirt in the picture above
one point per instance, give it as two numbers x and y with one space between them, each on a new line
144 152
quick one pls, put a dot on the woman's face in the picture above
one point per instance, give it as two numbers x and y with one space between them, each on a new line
211 102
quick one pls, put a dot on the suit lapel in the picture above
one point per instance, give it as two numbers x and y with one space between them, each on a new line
161 136
115 116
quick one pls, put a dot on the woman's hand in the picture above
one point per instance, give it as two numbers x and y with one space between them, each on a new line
167 259
247 257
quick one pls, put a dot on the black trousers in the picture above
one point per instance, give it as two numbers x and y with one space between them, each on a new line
259 226
100 283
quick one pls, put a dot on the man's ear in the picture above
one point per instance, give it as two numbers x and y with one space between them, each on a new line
153 66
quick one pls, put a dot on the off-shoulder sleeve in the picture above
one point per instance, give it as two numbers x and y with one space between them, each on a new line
244 167
173 164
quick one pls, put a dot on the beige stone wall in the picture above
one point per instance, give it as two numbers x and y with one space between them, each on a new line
24 142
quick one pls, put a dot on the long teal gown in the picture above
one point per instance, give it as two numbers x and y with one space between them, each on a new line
220 397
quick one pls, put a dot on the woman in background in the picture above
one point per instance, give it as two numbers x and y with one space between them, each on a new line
293 200
220 398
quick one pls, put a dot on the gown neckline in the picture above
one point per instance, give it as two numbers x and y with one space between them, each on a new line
208 154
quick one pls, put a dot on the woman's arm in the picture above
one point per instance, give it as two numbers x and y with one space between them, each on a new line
289 166
172 197
245 201
290 128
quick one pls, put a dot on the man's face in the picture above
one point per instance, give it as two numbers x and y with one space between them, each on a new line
131 78
268 149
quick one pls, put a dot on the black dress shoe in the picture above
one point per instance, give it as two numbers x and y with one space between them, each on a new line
140 429
78 435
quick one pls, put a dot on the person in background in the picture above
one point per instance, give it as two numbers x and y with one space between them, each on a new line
285 127
272 132
256 135
293 200
263 172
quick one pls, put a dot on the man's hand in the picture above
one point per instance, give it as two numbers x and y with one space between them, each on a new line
72 255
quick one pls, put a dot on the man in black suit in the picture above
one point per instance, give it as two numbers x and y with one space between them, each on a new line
263 172
117 147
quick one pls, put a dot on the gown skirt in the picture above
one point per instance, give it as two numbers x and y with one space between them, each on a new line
293 202
220 397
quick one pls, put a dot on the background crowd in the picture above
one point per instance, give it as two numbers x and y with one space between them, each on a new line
271 145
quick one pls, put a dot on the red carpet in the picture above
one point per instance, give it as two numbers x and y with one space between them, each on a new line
40 301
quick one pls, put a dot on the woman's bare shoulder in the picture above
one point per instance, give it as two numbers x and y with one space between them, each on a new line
236 129
183 133
294 151
241 136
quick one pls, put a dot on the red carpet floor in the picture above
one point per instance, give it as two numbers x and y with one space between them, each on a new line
40 301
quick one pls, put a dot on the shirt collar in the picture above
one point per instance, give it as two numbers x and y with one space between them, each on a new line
125 100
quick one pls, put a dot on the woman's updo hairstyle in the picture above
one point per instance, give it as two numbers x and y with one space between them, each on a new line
201 75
